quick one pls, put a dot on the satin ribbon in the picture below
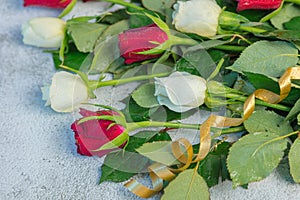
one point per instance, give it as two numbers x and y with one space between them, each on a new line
159 172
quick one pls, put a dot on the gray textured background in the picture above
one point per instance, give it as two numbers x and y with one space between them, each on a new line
37 152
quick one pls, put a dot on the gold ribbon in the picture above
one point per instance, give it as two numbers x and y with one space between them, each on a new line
158 172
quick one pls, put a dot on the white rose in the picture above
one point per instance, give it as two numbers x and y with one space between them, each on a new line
44 32
180 91
197 16
67 91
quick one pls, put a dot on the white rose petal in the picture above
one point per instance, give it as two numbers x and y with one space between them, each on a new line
67 92
197 16
44 32
180 91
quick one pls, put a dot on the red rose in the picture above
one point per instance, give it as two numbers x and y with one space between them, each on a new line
48 3
93 134
258 4
138 40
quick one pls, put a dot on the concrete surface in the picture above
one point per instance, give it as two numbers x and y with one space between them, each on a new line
37 152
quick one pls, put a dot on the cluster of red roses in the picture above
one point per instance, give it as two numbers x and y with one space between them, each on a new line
242 4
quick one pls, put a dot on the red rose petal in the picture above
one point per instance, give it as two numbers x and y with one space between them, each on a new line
258 4
48 3
138 40
92 134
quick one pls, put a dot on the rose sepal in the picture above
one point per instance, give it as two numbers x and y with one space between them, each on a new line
172 40
160 23
234 22
115 143
217 88
68 9
117 119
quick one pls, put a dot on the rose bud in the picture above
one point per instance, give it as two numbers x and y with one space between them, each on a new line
197 16
258 4
138 40
180 91
97 137
44 32
66 92
48 3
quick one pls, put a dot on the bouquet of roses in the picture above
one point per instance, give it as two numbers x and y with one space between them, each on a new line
236 62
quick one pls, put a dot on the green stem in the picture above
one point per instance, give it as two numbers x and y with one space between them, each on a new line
144 124
258 102
137 125
217 70
230 48
251 29
97 84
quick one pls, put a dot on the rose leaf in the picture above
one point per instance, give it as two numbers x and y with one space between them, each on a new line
187 185
254 157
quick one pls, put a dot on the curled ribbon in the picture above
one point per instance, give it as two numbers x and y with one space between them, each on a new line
159 172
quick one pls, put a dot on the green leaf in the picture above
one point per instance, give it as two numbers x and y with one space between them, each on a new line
243 86
294 160
161 136
254 157
264 82
294 111
138 18
107 49
126 161
214 165
267 121
144 96
121 165
188 185
267 58
85 34
110 174
290 35
140 138
114 17
286 14
298 119
136 113
73 59
160 151
154 5
197 62
162 113
293 24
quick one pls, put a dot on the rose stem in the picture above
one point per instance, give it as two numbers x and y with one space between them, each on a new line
258 102
230 48
144 124
97 84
